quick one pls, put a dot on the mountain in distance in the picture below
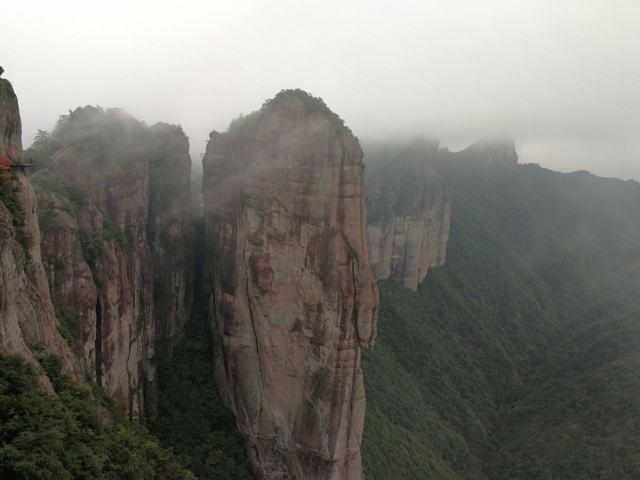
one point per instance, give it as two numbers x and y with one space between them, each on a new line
516 358
141 339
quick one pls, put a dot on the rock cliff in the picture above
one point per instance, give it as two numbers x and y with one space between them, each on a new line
496 150
113 211
169 231
293 298
409 204
28 326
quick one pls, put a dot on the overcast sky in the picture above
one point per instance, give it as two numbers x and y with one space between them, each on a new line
562 77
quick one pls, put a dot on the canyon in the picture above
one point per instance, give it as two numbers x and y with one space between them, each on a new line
98 264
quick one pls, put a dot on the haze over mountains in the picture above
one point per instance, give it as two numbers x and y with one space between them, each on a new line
244 338
515 359
378 286
560 78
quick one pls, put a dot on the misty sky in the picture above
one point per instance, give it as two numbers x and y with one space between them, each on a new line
561 77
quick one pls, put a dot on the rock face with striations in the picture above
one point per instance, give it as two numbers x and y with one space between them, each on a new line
28 326
113 210
409 213
293 298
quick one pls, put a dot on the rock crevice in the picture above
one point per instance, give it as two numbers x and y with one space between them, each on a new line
28 326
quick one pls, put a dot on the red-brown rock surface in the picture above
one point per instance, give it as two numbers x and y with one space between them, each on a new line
28 326
101 272
114 214
293 298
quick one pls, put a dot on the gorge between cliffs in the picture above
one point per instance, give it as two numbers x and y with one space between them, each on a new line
288 240
309 306
101 267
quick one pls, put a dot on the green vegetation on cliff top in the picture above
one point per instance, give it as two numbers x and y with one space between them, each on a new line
244 125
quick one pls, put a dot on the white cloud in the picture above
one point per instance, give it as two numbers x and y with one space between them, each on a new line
561 77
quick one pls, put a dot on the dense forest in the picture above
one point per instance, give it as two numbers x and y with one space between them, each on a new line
76 434
517 359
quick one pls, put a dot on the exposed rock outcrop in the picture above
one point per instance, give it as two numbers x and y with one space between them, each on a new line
28 326
409 213
113 205
496 150
10 122
293 298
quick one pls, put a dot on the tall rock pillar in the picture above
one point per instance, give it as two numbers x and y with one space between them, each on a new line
293 298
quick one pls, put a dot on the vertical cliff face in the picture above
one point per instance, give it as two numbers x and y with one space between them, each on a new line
169 232
10 123
100 269
293 298
111 213
409 213
28 326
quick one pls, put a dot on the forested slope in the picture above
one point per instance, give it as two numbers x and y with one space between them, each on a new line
515 359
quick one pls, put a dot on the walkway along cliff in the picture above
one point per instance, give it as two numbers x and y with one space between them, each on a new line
102 278
292 296
28 326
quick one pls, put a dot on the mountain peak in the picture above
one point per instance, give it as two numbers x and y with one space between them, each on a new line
500 150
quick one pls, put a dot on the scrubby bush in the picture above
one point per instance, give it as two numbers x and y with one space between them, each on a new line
63 436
